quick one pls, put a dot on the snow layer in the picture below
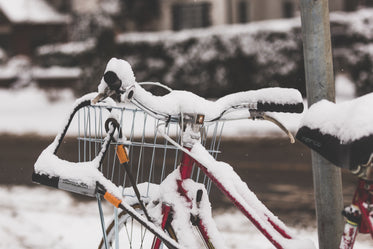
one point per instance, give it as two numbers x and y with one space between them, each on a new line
239 190
177 102
228 31
357 22
33 223
123 70
200 59
186 102
71 48
82 172
31 11
30 110
56 72
347 121
182 210
15 67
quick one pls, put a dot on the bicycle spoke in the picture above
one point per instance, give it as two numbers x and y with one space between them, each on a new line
128 235
142 236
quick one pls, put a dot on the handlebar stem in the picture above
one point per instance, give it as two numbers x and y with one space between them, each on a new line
191 125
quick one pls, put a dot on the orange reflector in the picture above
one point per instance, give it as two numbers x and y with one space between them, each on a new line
112 199
122 154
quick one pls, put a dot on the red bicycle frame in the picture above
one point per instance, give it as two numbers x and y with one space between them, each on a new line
359 215
231 185
186 165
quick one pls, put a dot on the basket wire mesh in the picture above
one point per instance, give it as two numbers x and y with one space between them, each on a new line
152 157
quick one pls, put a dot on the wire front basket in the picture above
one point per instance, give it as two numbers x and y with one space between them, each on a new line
151 156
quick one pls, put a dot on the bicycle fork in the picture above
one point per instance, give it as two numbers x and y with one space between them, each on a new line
191 125
185 172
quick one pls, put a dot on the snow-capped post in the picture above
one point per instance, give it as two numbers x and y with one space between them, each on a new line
320 85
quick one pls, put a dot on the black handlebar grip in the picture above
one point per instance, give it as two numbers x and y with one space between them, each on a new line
275 107
112 80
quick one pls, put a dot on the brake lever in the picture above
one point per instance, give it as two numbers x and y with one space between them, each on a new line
101 96
263 116
98 98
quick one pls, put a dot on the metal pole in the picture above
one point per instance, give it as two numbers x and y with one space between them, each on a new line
320 85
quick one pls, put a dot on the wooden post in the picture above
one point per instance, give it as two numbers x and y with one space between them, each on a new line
320 85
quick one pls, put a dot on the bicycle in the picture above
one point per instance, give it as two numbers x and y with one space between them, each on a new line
165 201
345 139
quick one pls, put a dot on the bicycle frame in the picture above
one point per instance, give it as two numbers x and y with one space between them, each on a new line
95 183
193 154
185 170
186 165
268 225
359 215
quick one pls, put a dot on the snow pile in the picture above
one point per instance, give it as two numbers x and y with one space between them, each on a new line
123 71
177 102
219 60
31 11
250 205
45 117
72 48
19 72
186 102
181 217
347 121
344 88
16 67
29 110
33 223
168 37
56 72
359 23
352 36
86 173
254 55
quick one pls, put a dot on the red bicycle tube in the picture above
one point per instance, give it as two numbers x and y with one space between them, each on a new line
363 195
246 213
186 165
166 211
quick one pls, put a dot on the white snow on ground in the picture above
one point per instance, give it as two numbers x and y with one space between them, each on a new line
42 217
29 110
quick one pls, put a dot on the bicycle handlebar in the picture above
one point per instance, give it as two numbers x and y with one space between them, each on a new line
176 102
169 107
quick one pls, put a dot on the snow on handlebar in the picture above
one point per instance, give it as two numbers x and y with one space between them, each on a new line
119 79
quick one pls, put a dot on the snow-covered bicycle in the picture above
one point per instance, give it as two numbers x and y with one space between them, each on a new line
154 158
343 134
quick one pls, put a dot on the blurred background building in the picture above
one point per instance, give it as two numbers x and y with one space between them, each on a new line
27 24
77 37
